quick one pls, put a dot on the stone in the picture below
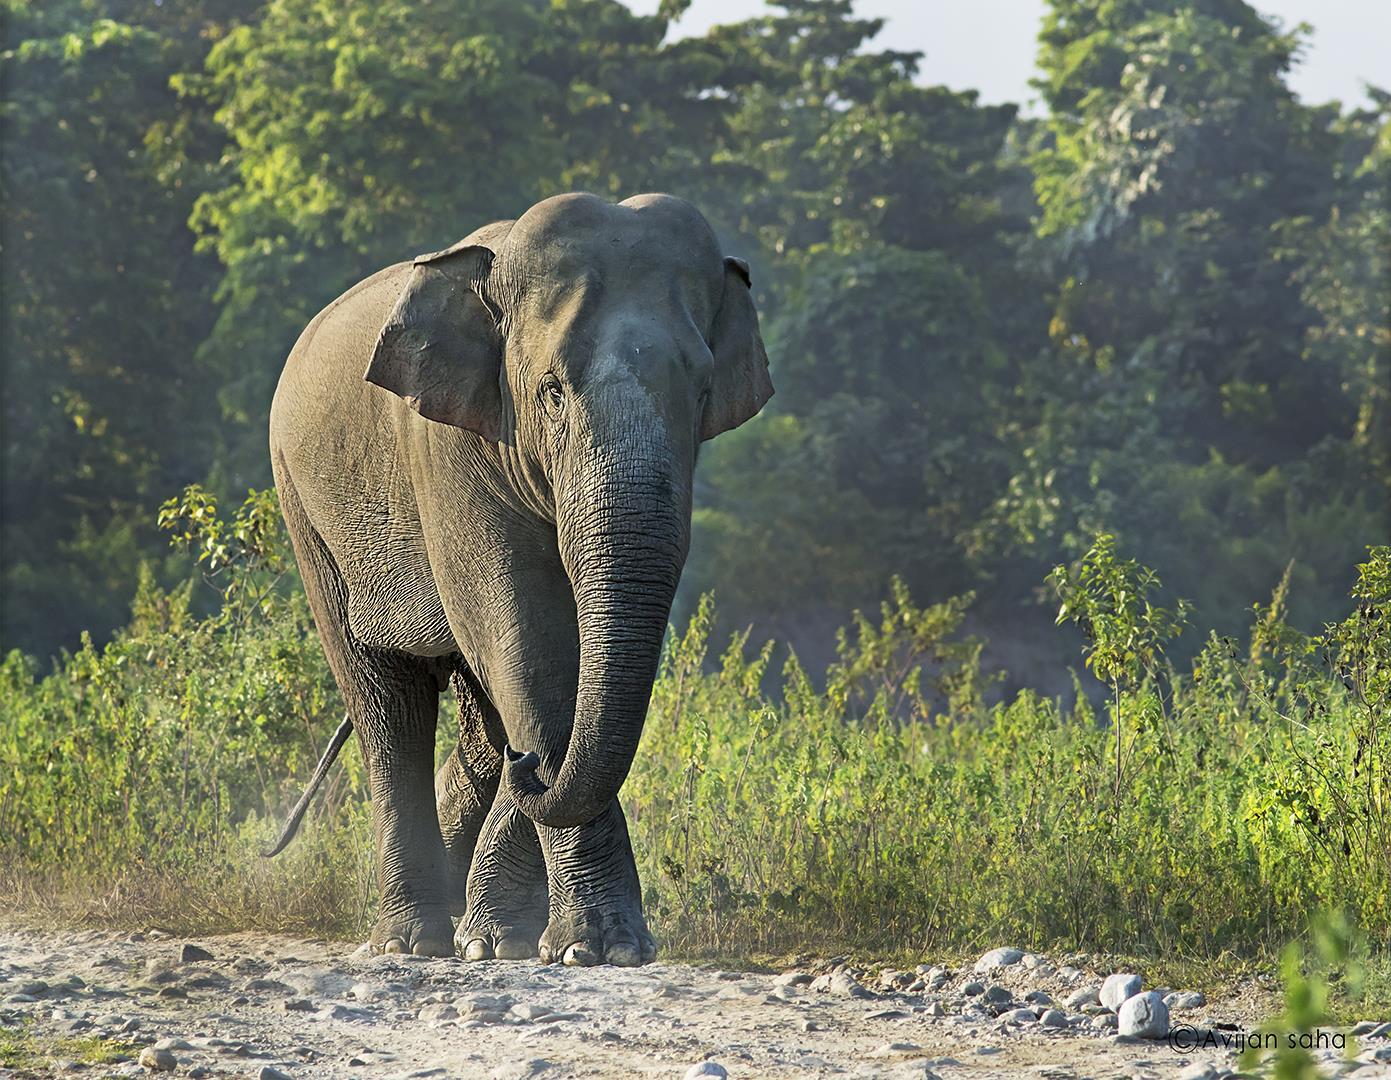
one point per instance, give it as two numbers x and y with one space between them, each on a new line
157 1060
530 1011
936 1009
1118 987
846 985
1019 1016
998 958
297 1005
1086 995
711 1069
1104 1021
971 989
173 1044
438 1013
1178 1000
1038 997
1365 1027
1144 1016
270 1072
1053 1018
1199 1070
997 995
792 978
194 954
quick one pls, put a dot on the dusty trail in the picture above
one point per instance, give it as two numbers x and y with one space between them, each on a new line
268 1006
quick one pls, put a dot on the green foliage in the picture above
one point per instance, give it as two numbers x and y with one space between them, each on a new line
1159 312
888 809
1337 962
1109 599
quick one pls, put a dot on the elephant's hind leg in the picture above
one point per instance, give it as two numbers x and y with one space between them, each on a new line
467 782
393 699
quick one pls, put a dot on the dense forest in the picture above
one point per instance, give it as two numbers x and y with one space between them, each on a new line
1161 310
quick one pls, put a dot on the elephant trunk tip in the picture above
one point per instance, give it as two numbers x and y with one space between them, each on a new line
534 798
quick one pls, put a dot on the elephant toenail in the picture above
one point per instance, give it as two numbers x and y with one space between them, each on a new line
623 954
580 955
478 949
395 945
514 948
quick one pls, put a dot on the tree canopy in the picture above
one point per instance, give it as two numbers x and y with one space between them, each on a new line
1162 310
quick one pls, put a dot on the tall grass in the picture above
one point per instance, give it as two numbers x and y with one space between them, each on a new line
888 806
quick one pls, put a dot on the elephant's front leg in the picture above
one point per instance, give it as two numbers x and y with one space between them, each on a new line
466 785
506 889
595 898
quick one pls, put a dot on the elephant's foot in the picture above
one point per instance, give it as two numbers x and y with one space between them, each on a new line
492 941
583 938
423 932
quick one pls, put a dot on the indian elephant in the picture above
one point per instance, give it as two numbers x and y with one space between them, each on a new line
504 501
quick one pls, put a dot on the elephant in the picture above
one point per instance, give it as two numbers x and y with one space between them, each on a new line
484 459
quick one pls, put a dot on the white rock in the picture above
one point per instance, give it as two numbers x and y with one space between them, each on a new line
157 1060
1118 987
712 1069
1053 1018
846 985
1033 960
1087 995
1144 1016
1019 1016
998 958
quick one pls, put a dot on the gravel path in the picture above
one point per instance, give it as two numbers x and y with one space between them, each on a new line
265 1006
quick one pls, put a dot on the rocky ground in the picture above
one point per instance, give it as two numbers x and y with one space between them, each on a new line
106 1004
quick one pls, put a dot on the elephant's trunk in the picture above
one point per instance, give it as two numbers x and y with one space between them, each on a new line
623 540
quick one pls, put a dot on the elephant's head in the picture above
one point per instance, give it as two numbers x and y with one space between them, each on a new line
598 345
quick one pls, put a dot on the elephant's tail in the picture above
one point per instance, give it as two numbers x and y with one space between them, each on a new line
335 744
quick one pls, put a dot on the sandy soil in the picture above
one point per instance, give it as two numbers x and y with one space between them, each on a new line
266 1006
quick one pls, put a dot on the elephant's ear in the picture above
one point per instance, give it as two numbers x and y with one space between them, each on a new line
440 348
740 384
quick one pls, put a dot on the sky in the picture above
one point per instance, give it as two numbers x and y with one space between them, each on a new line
988 45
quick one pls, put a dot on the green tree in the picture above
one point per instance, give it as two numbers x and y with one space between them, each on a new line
104 304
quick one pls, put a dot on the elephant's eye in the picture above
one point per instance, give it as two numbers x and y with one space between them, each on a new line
552 396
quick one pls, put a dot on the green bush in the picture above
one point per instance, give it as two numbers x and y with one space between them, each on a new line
888 808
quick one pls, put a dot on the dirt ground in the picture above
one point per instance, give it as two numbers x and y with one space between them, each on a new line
92 1003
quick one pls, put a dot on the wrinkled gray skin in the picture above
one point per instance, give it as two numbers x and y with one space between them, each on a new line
504 501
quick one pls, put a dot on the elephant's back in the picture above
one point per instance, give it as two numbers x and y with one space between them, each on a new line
324 371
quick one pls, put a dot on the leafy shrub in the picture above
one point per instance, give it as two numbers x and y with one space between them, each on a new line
886 808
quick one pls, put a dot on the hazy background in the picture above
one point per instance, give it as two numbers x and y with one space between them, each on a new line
991 46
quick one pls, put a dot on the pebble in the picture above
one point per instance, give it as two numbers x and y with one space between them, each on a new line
998 958
173 1044
1199 1070
998 995
1180 999
792 978
1118 987
297 1005
1365 1027
193 954
1053 1018
269 1072
438 1013
971 989
1087 995
1038 997
529 1011
1144 1016
1019 1016
711 1069
936 1009
1104 1022
157 1060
